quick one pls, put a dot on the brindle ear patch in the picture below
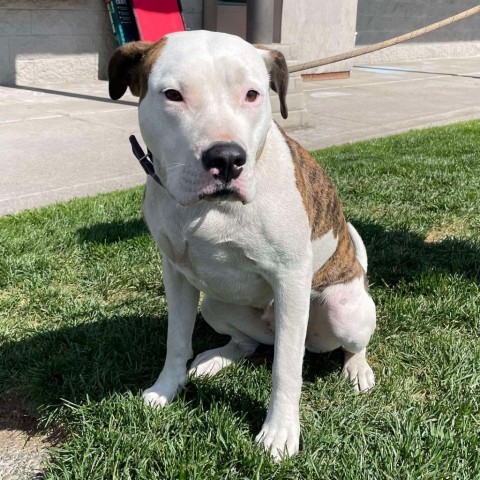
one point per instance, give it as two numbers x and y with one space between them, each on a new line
278 70
125 69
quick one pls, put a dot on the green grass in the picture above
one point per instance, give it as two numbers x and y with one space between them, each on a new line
83 330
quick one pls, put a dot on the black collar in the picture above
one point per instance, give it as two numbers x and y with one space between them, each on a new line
145 159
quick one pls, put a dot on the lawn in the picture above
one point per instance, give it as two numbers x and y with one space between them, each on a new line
83 331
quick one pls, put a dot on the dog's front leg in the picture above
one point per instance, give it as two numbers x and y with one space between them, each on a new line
281 430
182 301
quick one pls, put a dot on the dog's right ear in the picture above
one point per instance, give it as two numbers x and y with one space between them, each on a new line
124 69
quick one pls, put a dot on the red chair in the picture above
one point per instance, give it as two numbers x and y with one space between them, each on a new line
156 18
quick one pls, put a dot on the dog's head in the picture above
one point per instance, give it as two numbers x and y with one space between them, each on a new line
204 109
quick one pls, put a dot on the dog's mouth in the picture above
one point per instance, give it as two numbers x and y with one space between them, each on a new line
221 193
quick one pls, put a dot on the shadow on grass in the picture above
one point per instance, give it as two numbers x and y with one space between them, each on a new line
399 255
90 359
112 232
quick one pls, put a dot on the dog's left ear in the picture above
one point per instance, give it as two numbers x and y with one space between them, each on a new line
278 71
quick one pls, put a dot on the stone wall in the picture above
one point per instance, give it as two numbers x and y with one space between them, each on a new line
379 20
45 41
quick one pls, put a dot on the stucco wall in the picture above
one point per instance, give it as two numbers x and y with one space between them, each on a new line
44 41
319 29
379 20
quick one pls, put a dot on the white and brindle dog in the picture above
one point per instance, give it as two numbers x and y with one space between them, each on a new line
245 216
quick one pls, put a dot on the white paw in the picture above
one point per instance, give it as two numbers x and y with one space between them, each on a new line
155 399
281 440
358 371
161 392
209 363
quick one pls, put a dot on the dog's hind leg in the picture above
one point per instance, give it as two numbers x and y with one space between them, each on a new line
246 325
344 316
357 370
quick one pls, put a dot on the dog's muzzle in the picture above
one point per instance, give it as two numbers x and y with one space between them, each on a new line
224 160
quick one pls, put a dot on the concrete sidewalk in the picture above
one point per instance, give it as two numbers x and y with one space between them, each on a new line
64 141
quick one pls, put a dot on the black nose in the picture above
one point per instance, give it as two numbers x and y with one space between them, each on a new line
226 158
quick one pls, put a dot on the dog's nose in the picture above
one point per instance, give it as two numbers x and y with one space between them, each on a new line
224 160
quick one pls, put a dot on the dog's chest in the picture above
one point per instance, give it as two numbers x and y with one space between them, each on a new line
217 256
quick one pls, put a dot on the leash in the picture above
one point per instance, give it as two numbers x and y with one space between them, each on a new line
386 43
145 159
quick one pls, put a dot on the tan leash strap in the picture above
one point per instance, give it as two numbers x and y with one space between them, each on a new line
387 43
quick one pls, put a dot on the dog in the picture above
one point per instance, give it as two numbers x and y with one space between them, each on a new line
243 214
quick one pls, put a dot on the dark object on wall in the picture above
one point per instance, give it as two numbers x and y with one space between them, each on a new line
123 21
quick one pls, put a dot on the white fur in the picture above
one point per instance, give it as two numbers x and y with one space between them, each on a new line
323 248
360 250
252 257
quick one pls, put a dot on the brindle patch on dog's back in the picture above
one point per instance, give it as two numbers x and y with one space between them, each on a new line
325 213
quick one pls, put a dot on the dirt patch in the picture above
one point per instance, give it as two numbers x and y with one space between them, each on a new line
441 232
15 414
22 445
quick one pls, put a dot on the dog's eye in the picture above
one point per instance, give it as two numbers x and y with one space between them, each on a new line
251 96
173 95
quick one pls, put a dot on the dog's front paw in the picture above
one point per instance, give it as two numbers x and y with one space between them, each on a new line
162 392
281 439
152 398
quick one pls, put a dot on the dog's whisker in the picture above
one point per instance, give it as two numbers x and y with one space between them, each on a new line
171 167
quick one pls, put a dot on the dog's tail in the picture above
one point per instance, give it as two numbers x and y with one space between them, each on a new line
360 250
